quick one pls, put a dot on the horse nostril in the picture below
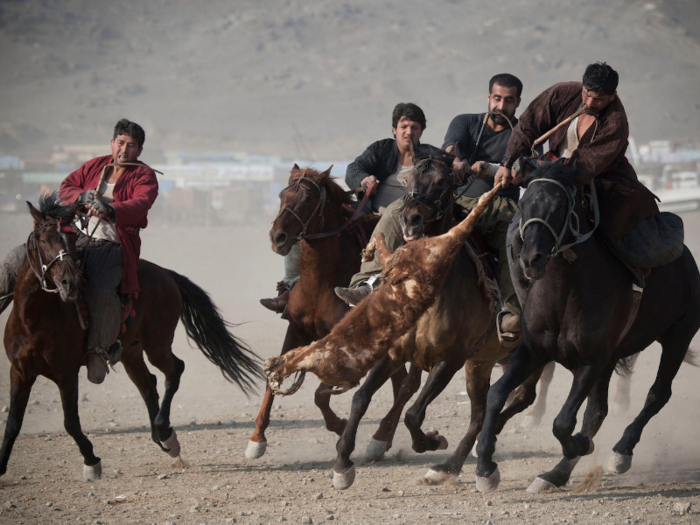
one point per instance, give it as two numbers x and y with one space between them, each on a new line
416 220
280 238
536 258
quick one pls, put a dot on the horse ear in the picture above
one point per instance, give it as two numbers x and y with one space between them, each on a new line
38 217
295 167
327 172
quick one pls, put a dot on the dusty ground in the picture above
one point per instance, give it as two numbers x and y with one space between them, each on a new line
291 482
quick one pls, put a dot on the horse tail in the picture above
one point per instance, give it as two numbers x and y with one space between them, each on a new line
210 332
623 368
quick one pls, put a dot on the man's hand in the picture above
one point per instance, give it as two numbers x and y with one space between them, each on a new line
483 169
459 170
98 207
369 180
505 176
86 197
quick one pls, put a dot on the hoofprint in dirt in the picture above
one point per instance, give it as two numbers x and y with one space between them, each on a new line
287 482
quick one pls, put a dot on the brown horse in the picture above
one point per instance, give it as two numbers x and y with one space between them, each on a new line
387 328
43 335
313 210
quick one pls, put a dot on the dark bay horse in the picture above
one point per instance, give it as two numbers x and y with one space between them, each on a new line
311 207
576 313
43 335
458 327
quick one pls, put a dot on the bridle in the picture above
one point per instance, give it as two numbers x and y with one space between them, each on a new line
297 184
424 200
33 241
571 218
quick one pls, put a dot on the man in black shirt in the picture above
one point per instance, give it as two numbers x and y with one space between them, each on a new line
482 144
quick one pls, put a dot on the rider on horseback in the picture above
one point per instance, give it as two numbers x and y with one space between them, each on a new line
383 163
117 191
595 143
482 142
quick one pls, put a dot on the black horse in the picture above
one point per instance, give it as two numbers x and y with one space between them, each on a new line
577 313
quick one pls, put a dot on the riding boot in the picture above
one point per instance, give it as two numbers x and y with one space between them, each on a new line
279 303
509 329
96 367
353 296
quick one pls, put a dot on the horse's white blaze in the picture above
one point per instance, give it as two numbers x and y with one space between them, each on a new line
410 286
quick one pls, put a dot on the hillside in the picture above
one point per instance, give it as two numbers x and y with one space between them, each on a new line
243 75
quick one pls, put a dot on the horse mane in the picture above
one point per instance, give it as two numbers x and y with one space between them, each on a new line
423 161
337 193
566 174
51 206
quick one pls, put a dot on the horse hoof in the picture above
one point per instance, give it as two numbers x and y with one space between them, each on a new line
488 483
433 435
619 463
541 485
255 450
437 477
92 472
343 480
376 450
172 445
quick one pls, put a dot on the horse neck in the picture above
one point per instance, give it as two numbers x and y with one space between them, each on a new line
320 257
29 297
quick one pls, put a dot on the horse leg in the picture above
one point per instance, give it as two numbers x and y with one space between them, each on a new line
577 445
172 368
622 399
478 380
525 396
596 410
257 445
322 398
344 468
437 380
534 417
408 384
674 344
92 468
146 383
521 366
21 387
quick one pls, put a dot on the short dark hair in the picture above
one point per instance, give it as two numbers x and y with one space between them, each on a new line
506 80
131 129
410 111
601 78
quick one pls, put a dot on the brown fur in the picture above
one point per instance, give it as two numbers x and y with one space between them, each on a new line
413 275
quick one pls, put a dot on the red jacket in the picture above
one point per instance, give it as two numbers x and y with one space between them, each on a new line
134 194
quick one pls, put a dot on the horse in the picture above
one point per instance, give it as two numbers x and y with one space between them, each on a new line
458 328
43 335
316 212
581 311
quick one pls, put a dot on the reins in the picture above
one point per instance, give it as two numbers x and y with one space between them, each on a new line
319 210
571 218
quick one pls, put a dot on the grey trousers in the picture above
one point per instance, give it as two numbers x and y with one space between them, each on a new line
102 266
292 266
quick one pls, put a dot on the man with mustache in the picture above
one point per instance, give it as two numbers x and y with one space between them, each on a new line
595 143
481 143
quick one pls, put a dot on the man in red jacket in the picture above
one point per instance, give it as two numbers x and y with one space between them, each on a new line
110 244
118 209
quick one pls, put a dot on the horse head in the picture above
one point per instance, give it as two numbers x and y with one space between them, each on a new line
303 207
51 249
429 194
547 211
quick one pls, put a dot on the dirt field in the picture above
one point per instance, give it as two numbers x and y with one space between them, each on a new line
291 482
